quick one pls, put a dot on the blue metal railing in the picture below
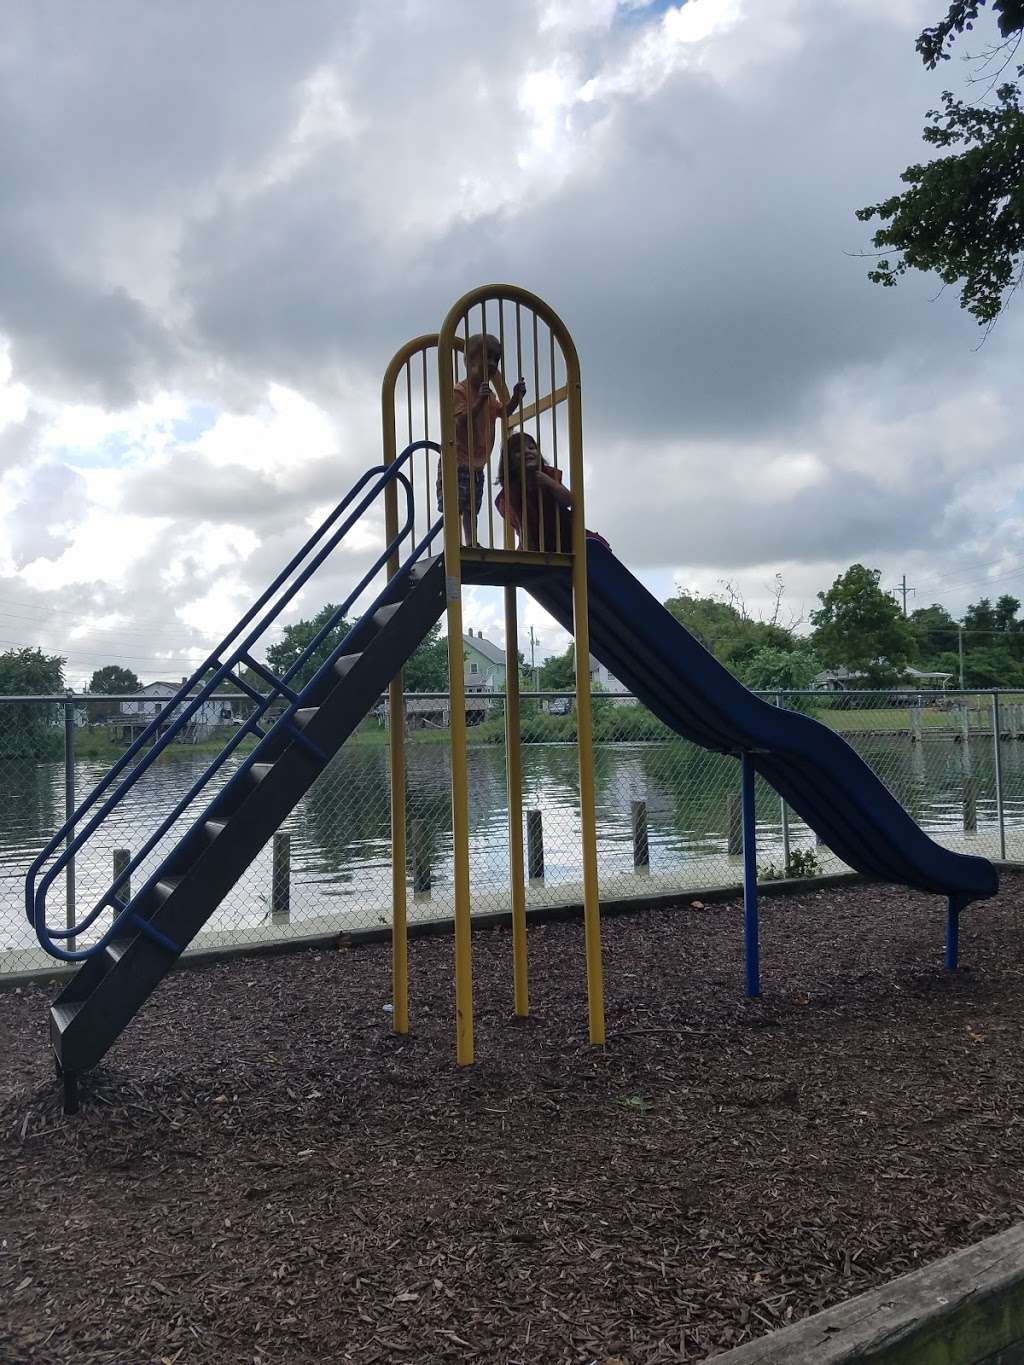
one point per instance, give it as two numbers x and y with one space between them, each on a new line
194 692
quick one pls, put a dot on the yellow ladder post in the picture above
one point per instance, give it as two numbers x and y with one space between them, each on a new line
396 734
456 696
514 782
396 702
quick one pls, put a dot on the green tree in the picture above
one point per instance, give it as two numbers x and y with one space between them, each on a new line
934 630
771 669
109 680
860 627
963 215
980 621
427 667
296 637
726 631
29 730
558 671
1006 610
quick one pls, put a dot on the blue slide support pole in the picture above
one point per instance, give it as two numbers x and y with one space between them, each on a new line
750 921
952 934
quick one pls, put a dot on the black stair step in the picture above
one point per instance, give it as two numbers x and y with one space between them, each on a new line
116 949
166 887
258 772
384 614
214 827
346 663
422 567
304 715
62 1015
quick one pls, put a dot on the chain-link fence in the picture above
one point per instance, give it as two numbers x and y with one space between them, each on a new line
668 817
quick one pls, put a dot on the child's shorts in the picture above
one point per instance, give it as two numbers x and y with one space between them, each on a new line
465 474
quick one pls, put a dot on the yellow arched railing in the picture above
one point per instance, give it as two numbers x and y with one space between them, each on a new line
534 342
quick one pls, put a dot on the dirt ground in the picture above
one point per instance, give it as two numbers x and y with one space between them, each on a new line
262 1172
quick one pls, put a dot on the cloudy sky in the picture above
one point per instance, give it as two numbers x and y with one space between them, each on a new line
220 219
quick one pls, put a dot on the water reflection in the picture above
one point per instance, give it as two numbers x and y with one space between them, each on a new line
341 838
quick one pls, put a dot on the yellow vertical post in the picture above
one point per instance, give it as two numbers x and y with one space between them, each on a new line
396 739
584 712
457 696
514 782
396 709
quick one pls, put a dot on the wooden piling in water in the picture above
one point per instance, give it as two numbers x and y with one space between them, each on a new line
419 848
734 823
281 878
641 846
535 845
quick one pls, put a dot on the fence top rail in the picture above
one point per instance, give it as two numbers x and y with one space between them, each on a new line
768 693
65 698
825 694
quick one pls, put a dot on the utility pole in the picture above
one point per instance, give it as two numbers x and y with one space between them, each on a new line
533 659
903 590
960 651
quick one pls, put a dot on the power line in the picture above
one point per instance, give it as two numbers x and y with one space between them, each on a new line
974 582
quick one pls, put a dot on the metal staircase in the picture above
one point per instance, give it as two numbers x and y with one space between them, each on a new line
147 932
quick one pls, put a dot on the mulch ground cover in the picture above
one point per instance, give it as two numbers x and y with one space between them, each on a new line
262 1172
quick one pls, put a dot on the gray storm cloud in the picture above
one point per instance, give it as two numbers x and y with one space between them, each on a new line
209 199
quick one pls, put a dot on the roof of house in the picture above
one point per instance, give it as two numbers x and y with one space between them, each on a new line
843 674
491 653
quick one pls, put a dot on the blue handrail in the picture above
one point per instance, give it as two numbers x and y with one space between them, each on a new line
67 844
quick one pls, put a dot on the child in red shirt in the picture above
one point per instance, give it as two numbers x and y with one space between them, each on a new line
549 503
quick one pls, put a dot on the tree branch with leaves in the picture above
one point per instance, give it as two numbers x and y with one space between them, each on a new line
963 215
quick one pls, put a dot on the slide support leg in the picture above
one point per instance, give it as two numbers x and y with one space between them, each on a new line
750 918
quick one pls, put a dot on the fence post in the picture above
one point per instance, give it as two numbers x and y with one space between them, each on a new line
734 823
915 721
281 883
420 845
641 846
998 773
970 804
784 813
122 857
69 810
535 845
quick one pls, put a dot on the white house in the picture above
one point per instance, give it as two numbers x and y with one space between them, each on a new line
607 682
135 715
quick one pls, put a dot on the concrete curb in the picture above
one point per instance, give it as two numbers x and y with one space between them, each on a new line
967 1309
502 919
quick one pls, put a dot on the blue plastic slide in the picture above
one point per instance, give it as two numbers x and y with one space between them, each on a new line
822 778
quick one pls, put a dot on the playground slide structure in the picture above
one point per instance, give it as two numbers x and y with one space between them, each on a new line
130 939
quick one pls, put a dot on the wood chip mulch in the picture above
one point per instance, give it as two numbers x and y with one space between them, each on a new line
261 1172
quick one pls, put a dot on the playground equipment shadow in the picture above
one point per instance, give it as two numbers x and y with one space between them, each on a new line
261 1171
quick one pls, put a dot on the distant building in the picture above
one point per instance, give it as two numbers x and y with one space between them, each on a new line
601 679
911 679
485 663
135 715
483 673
